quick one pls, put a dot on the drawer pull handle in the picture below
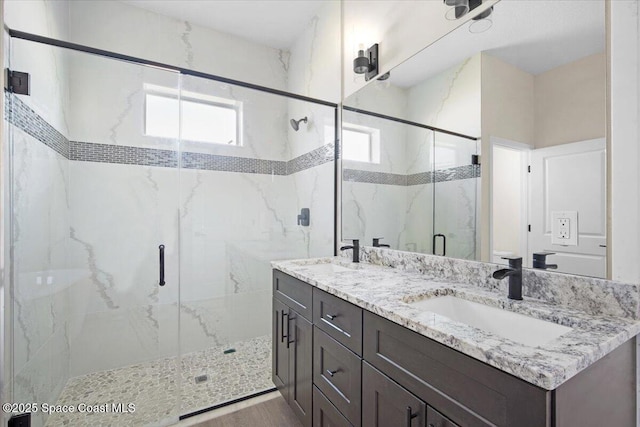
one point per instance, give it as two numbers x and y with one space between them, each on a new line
332 373
290 339
410 416
282 334
331 316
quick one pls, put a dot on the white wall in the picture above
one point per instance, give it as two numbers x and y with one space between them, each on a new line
570 102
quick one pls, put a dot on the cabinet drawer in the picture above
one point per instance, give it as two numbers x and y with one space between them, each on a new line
293 292
436 419
470 392
337 373
338 318
385 403
325 414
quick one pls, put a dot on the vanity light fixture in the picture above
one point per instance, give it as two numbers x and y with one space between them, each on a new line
367 62
481 22
459 8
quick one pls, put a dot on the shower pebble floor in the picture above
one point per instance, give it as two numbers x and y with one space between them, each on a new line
154 389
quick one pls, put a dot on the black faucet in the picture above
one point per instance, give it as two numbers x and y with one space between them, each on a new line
356 249
377 244
515 277
540 260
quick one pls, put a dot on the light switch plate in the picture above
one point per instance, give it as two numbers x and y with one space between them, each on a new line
564 228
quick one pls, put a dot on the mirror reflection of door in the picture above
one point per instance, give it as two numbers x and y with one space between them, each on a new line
568 186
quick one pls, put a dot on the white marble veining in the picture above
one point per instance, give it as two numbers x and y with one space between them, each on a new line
387 291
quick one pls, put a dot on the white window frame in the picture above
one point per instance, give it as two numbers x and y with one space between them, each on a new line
374 141
198 98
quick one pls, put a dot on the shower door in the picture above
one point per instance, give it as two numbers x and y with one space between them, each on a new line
455 188
245 176
94 195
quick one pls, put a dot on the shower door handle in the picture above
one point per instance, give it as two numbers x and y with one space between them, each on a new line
444 244
161 250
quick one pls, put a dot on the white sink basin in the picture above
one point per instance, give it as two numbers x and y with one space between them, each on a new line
326 268
517 327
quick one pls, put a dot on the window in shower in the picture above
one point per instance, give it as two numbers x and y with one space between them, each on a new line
360 143
205 118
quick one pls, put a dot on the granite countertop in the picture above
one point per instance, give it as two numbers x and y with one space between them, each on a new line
387 292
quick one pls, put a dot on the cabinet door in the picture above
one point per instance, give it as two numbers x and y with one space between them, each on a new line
385 403
436 419
325 414
300 341
280 352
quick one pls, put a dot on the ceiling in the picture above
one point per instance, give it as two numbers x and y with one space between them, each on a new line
274 23
533 35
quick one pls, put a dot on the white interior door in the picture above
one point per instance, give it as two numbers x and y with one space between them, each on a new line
570 178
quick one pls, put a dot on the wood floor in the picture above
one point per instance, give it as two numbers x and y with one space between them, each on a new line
272 413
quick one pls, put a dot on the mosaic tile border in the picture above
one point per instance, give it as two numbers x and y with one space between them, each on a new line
26 119
370 177
317 157
212 162
443 175
122 154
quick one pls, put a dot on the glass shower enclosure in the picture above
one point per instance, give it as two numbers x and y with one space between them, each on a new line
145 207
417 188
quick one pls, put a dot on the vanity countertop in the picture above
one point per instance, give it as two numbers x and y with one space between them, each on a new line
386 292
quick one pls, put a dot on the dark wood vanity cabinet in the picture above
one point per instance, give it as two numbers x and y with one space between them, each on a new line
292 347
385 403
325 414
341 366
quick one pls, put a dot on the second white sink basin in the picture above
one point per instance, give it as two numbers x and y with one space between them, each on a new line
517 327
326 268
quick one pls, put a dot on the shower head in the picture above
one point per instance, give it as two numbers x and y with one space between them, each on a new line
295 124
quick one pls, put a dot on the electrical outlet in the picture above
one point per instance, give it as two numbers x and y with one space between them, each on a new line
564 228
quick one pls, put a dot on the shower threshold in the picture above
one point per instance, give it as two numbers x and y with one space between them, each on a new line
154 390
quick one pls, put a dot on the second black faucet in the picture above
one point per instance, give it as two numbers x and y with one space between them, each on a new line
356 249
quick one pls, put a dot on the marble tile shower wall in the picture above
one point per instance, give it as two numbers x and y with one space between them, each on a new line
37 345
43 305
122 275
377 209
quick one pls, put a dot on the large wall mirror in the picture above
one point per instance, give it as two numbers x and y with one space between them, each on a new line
488 144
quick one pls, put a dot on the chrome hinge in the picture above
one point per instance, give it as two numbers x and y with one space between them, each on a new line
17 82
